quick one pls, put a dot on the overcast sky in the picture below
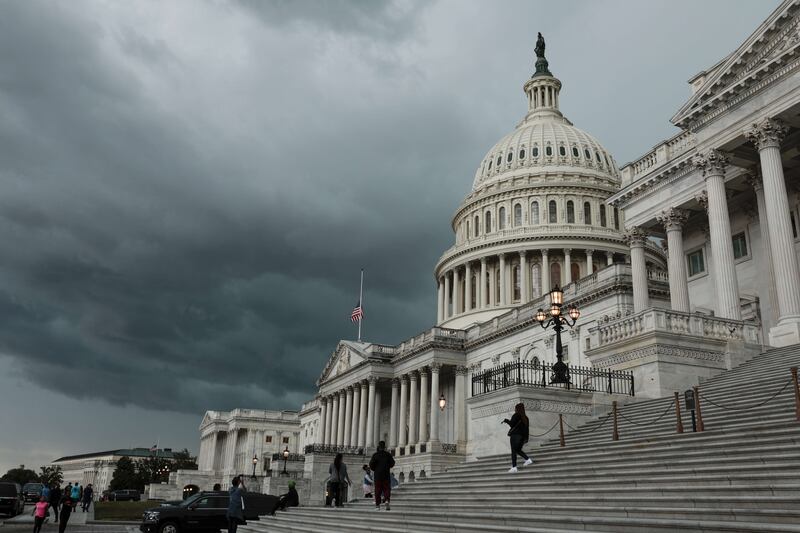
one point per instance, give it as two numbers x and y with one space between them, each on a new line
189 189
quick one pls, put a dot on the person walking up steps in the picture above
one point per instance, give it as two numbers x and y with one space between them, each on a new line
381 465
86 500
518 435
339 479
235 512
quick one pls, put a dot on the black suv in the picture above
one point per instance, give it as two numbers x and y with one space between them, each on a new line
32 491
11 500
205 511
124 495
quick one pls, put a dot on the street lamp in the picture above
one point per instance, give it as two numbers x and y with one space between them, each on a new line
285 458
255 462
442 402
555 319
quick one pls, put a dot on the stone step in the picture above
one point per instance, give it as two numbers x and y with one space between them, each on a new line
437 521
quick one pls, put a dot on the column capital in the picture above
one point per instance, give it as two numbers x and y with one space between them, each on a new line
343 392
567 251
413 376
364 384
461 370
372 380
635 237
435 367
395 383
673 218
711 163
702 199
545 251
523 255
754 180
767 133
403 379
349 389
423 372
589 251
483 261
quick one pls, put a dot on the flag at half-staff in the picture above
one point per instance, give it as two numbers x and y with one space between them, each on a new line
357 314
358 311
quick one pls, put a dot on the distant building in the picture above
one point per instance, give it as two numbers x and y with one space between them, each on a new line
98 468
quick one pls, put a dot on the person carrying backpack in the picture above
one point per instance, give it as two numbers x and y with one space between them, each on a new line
518 435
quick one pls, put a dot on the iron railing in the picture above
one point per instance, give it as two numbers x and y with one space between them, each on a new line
332 449
293 457
535 374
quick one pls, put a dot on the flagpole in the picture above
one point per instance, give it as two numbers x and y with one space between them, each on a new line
361 303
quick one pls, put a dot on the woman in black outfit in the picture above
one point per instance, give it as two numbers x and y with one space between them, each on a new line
518 435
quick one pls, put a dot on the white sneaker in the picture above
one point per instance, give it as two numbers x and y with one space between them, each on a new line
528 462
387 506
513 470
377 507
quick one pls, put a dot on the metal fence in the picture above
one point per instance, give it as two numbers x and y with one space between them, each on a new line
535 374
333 449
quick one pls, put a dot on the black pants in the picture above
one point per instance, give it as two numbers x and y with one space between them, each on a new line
233 524
517 441
66 510
37 523
336 493
54 507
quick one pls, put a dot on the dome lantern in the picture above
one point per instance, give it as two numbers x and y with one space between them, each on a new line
543 88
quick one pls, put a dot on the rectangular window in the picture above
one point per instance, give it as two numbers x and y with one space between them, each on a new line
269 439
739 245
697 264
286 440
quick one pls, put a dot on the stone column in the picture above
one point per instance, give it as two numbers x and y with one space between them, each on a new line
712 164
435 368
413 410
376 419
340 422
356 415
765 257
335 432
447 312
460 407
673 220
348 417
636 238
767 136
393 414
609 258
503 286
568 265
440 300
492 287
525 292
423 405
456 292
467 287
323 402
296 435
362 416
589 262
329 430
402 429
546 285
483 299
371 414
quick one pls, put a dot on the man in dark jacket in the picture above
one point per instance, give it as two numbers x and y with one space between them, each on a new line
55 499
381 465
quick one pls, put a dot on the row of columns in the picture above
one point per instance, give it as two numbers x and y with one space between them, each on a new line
348 417
780 258
450 302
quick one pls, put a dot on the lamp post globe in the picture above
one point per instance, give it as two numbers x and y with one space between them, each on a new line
285 458
442 402
255 462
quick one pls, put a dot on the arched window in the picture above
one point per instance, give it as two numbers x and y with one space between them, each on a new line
473 283
517 214
488 224
576 271
570 212
476 225
548 151
534 212
521 153
499 160
555 274
467 235
515 275
575 152
535 151
587 213
562 151
552 212
616 218
490 166
587 154
501 218
603 215
509 157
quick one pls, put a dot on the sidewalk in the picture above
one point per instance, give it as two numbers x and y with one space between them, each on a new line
78 517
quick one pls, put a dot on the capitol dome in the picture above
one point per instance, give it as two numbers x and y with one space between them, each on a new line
536 215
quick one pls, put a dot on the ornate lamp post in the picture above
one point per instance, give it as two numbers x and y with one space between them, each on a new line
442 402
255 462
285 458
555 319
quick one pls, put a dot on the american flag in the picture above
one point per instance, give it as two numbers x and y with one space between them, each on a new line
357 314
154 448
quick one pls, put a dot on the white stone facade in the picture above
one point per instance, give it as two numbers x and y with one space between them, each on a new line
98 468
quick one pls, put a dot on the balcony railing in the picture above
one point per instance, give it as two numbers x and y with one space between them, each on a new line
538 375
333 449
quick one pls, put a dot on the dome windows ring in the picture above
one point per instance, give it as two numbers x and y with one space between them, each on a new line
521 153
587 154
535 151
509 157
499 160
575 152
548 151
562 151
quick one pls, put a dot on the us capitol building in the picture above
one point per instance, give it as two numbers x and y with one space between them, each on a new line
682 263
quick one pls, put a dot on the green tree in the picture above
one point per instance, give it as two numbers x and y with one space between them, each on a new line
20 475
51 475
153 469
183 460
125 476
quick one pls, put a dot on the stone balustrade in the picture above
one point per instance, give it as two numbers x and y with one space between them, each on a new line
657 157
611 331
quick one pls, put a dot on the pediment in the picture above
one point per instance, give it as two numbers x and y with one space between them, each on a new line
347 354
777 38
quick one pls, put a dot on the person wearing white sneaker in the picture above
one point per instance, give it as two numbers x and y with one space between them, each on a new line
518 435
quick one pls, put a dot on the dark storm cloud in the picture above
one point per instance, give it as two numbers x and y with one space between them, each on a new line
189 189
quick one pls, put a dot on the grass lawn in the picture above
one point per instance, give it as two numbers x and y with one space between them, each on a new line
121 510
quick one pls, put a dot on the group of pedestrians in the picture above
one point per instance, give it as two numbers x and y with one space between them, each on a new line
378 479
62 502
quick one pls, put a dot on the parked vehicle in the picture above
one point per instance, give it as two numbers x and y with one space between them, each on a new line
12 502
124 495
203 512
32 491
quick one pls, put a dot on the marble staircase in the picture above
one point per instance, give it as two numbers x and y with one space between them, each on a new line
742 474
